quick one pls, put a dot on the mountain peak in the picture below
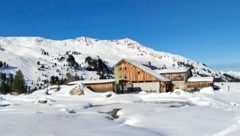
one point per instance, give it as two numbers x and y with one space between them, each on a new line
25 52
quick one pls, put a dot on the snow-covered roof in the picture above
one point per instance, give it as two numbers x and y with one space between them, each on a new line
94 81
148 70
99 81
200 79
176 70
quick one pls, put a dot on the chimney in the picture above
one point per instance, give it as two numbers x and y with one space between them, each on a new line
149 63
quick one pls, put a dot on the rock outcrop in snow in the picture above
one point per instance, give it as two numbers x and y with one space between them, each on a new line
77 90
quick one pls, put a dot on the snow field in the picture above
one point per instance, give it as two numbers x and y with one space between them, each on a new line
178 113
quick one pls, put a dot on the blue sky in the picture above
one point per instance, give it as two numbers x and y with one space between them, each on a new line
204 30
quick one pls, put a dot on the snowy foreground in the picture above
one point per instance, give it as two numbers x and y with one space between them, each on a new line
205 113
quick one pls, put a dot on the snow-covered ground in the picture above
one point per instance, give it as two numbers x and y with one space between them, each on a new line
204 113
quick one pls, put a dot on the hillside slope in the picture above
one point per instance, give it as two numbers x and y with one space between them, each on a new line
39 58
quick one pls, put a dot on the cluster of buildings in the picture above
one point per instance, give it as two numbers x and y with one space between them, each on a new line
135 76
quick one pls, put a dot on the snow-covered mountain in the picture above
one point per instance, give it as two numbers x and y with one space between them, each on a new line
39 58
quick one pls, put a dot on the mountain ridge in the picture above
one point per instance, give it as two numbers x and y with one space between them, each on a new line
24 53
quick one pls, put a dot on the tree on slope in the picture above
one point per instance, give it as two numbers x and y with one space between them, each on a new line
5 83
18 85
4 88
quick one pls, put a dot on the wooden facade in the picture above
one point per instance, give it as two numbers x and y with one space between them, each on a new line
178 77
106 86
101 87
133 74
137 77
198 85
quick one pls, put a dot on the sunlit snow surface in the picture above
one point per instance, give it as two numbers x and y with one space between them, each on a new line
24 52
204 113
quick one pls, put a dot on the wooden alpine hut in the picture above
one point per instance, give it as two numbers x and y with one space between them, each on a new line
141 77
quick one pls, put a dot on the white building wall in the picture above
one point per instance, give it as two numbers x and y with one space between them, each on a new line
179 84
148 86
